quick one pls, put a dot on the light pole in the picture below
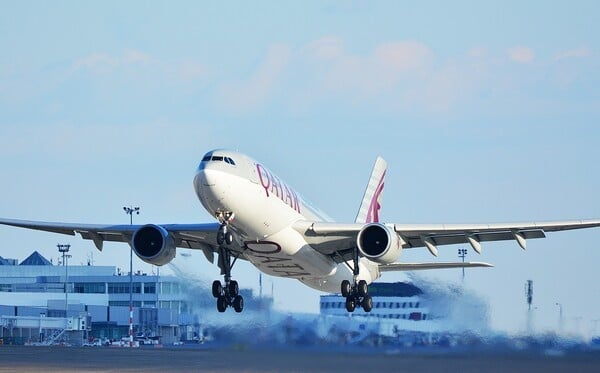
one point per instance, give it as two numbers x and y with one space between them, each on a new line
461 254
129 211
560 316
64 249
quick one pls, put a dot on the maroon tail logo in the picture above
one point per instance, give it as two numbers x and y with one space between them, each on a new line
375 206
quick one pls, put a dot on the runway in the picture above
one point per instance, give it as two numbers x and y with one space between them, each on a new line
104 359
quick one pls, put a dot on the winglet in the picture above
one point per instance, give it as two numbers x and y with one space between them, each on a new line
371 203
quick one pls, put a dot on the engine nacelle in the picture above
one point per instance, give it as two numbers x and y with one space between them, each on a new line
379 243
154 245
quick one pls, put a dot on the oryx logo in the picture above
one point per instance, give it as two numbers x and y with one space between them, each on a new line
375 205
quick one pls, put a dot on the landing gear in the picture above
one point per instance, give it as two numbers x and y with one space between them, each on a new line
357 294
224 236
227 294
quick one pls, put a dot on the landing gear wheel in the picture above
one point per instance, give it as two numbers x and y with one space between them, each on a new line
367 303
227 293
234 289
238 304
346 288
363 288
350 304
217 288
221 304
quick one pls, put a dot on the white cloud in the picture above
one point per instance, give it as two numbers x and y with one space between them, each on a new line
325 48
251 93
401 56
102 61
186 70
573 53
335 69
521 54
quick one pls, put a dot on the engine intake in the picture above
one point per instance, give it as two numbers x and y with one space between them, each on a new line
379 243
154 245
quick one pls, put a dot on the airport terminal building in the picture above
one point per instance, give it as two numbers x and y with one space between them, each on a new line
34 304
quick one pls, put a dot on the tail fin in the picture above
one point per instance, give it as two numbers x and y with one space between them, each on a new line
371 203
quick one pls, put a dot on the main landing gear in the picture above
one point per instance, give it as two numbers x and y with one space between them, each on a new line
227 294
357 294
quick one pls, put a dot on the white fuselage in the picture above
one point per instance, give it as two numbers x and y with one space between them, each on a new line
265 209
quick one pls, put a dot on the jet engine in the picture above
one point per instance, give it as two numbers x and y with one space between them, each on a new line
154 245
379 243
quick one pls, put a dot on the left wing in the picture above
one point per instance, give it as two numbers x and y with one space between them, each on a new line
418 266
338 240
189 236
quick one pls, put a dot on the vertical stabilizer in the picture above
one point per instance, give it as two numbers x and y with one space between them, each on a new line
371 203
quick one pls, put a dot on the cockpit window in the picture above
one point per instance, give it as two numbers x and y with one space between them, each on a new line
218 158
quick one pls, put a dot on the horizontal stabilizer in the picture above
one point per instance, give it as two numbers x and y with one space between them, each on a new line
418 266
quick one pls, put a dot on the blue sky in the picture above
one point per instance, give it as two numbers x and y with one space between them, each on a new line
485 112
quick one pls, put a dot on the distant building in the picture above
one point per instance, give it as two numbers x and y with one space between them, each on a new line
404 312
36 288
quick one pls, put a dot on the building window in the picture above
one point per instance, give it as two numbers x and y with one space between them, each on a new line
123 288
89 287
165 288
149 288
123 303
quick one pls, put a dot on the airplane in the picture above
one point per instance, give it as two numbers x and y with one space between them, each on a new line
263 220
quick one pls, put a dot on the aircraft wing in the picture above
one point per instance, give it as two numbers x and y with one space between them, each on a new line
189 236
418 266
337 240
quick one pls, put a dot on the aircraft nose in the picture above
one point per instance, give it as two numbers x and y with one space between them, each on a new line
210 192
205 178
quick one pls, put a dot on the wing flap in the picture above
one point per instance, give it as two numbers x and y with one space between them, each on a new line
422 266
461 238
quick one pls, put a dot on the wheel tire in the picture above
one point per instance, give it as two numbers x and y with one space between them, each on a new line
220 237
346 288
350 304
228 238
367 303
238 304
217 288
363 288
221 304
234 289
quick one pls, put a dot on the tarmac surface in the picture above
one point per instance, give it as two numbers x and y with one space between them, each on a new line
105 359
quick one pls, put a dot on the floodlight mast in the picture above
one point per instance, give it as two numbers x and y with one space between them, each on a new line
461 254
64 249
129 211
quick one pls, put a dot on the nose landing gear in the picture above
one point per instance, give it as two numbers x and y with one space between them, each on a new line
227 294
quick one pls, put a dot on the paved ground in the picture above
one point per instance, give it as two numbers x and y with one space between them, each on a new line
70 359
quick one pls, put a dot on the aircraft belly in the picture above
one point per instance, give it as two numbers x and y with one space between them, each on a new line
332 283
286 254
